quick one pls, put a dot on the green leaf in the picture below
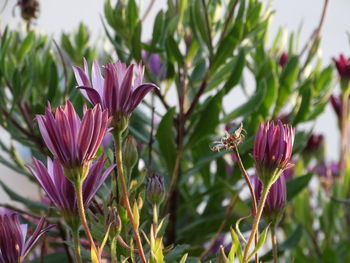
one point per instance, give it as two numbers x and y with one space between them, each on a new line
173 51
53 82
132 15
26 46
261 242
176 253
297 184
57 257
291 242
250 106
158 27
198 14
304 109
136 41
23 200
237 71
235 248
287 79
166 139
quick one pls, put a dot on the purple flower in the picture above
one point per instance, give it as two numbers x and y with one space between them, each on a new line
72 141
272 150
343 66
276 198
283 59
327 174
120 92
154 64
61 191
13 244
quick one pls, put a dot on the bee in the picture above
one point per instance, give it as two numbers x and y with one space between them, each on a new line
229 141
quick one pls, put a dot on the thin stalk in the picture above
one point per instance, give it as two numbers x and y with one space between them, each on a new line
77 255
155 220
252 194
114 250
274 244
125 195
256 221
81 209
344 134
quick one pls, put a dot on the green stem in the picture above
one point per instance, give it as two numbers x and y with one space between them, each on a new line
75 234
125 195
155 220
114 250
81 209
274 244
256 221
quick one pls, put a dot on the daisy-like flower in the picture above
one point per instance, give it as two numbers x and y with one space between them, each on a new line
120 91
272 150
61 191
74 142
13 244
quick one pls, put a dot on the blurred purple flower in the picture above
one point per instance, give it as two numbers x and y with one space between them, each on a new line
327 173
283 59
343 66
272 150
276 198
13 244
71 140
120 92
61 191
314 143
154 64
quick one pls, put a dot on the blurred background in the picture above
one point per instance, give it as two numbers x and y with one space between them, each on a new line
65 15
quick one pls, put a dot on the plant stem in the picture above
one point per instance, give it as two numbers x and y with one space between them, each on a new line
81 209
114 250
344 134
252 194
75 234
274 244
125 195
155 220
256 221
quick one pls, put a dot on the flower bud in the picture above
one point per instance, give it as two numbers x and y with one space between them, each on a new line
114 221
283 59
155 189
343 67
130 153
272 150
276 198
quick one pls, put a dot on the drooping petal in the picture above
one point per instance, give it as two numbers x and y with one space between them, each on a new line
139 93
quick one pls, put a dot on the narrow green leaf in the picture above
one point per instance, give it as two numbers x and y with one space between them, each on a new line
166 139
297 184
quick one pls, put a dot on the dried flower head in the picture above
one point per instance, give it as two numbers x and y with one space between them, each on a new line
229 141
29 9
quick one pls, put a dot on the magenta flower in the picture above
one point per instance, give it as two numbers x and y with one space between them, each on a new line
343 66
272 150
61 191
283 59
120 92
13 244
276 198
72 141
327 173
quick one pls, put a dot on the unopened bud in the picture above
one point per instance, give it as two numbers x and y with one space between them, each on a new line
113 220
130 153
155 189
